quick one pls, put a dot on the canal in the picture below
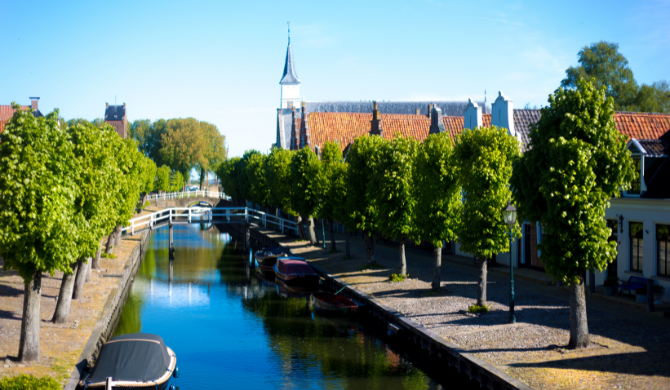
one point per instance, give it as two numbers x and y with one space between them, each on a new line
232 329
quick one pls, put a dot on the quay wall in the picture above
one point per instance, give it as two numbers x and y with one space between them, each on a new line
111 312
440 358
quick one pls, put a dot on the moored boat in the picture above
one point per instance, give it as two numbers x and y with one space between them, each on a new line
268 257
133 361
330 304
295 271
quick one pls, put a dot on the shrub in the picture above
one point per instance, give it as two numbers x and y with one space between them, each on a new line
479 309
397 277
29 382
108 255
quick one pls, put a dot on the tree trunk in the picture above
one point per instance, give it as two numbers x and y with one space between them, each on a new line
65 296
110 243
96 259
301 228
347 246
29 344
402 267
579 326
88 269
481 288
369 248
311 232
80 279
437 266
117 235
202 178
333 243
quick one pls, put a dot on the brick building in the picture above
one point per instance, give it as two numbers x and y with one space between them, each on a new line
117 117
6 111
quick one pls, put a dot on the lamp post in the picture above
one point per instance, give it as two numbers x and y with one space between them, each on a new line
509 216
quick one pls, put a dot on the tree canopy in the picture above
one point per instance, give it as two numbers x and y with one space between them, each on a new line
278 179
603 65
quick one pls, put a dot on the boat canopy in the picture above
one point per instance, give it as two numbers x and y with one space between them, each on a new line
288 266
140 357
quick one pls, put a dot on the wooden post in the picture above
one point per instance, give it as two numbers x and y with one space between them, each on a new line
247 236
171 237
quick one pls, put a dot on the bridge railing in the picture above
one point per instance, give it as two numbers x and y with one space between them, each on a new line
208 214
188 194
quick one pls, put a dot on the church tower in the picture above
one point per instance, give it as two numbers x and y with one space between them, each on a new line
290 84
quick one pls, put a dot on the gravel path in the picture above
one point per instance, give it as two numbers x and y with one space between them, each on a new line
630 348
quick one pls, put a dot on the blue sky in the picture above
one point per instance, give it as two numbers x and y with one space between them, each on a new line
221 61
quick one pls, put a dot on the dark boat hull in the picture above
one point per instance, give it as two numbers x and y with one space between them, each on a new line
329 304
298 280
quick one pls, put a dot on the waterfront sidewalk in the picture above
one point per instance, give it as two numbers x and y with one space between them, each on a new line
60 345
630 348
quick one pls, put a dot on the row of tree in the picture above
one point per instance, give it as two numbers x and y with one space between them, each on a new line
439 190
64 186
181 144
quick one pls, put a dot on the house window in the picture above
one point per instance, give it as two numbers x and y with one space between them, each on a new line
636 184
663 249
635 232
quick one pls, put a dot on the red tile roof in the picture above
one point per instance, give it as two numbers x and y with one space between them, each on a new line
640 125
6 112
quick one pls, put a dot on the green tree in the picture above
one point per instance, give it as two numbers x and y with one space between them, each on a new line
163 178
244 186
438 196
215 150
278 179
484 157
183 145
603 65
227 175
654 98
331 161
39 223
96 180
337 195
361 208
304 197
255 172
394 194
176 181
577 161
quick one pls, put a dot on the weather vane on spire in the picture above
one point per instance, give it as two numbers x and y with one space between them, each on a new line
289 30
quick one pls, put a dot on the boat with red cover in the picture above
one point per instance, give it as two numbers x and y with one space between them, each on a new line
330 304
294 270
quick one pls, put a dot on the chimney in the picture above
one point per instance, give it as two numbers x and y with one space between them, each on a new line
502 113
376 123
430 108
418 111
436 122
106 105
472 116
124 105
33 103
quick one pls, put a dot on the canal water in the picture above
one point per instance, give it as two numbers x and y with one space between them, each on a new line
232 329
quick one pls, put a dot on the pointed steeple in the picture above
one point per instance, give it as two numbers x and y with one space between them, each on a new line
289 75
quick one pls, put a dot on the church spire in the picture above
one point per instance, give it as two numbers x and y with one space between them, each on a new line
289 75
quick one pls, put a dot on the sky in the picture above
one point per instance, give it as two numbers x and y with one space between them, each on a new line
221 61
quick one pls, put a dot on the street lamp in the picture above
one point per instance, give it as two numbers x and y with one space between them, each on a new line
509 216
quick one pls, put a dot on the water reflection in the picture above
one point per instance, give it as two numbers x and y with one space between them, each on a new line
230 326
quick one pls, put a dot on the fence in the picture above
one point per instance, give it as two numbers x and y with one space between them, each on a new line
183 215
188 194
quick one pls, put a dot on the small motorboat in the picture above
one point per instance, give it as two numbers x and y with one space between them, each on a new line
268 257
330 304
133 361
295 271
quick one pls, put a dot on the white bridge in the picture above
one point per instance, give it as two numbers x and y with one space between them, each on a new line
197 214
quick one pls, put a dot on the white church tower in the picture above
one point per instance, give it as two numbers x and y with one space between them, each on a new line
290 84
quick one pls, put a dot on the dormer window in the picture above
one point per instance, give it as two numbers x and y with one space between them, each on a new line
636 184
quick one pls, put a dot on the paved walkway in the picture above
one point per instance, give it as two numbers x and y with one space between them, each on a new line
60 345
630 348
